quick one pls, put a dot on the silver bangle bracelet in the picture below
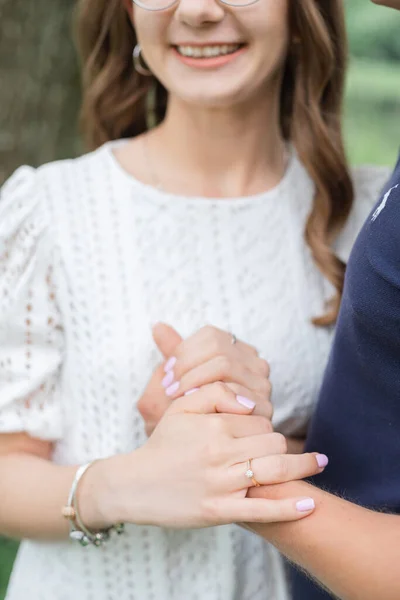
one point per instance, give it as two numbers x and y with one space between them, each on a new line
77 529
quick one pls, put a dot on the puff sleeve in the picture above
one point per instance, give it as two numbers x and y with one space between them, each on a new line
31 332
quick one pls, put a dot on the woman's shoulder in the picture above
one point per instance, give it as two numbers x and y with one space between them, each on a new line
369 182
29 195
21 208
25 176
33 190
53 170
69 173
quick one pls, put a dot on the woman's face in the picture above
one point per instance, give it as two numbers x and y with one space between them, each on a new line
248 44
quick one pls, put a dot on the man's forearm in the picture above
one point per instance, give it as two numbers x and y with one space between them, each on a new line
352 551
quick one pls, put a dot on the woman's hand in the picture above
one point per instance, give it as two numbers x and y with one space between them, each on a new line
192 470
205 357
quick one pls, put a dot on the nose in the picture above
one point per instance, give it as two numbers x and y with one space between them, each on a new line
198 13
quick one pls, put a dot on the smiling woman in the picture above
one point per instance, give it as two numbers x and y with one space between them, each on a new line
294 52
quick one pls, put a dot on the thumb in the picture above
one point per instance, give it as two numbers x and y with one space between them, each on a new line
166 338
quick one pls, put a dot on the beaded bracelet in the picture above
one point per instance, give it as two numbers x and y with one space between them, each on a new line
77 530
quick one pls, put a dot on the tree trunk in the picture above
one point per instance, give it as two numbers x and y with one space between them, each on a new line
39 104
39 83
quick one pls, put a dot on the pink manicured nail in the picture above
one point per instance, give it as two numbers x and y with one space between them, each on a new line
305 505
322 460
191 391
171 362
245 402
170 391
168 379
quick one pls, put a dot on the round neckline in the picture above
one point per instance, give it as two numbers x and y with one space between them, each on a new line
165 196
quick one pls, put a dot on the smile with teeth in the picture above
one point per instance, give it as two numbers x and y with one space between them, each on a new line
208 51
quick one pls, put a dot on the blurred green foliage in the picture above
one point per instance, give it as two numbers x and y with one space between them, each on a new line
374 32
372 117
372 111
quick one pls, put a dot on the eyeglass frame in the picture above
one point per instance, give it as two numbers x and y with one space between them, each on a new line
174 2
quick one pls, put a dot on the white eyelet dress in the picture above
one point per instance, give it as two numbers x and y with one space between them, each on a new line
90 258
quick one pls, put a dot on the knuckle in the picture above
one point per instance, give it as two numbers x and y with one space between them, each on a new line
268 410
214 452
214 339
213 346
278 469
268 425
218 433
249 349
212 482
265 424
265 387
208 331
257 513
141 404
210 334
279 442
177 406
210 509
270 414
145 408
217 425
309 462
220 390
264 367
223 365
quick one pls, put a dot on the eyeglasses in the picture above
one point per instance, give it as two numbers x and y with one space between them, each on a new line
165 4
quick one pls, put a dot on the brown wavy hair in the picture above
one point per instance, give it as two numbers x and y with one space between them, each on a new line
115 106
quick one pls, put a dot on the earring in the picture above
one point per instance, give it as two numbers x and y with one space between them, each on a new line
138 62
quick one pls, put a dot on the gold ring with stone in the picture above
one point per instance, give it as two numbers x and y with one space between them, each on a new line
250 474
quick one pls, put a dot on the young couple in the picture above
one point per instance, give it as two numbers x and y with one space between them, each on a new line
230 221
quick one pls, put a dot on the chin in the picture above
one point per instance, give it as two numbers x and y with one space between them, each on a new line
204 95
222 100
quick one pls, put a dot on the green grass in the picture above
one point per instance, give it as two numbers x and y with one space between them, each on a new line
7 553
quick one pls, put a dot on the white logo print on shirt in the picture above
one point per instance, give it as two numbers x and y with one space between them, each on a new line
382 204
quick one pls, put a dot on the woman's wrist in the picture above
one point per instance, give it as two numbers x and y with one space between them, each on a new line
93 497
112 492
96 495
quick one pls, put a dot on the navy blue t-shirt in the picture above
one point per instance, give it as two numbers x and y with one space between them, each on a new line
357 420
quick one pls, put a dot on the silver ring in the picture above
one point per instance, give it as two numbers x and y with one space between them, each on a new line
233 339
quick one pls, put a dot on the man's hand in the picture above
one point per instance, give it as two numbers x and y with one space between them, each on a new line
206 357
